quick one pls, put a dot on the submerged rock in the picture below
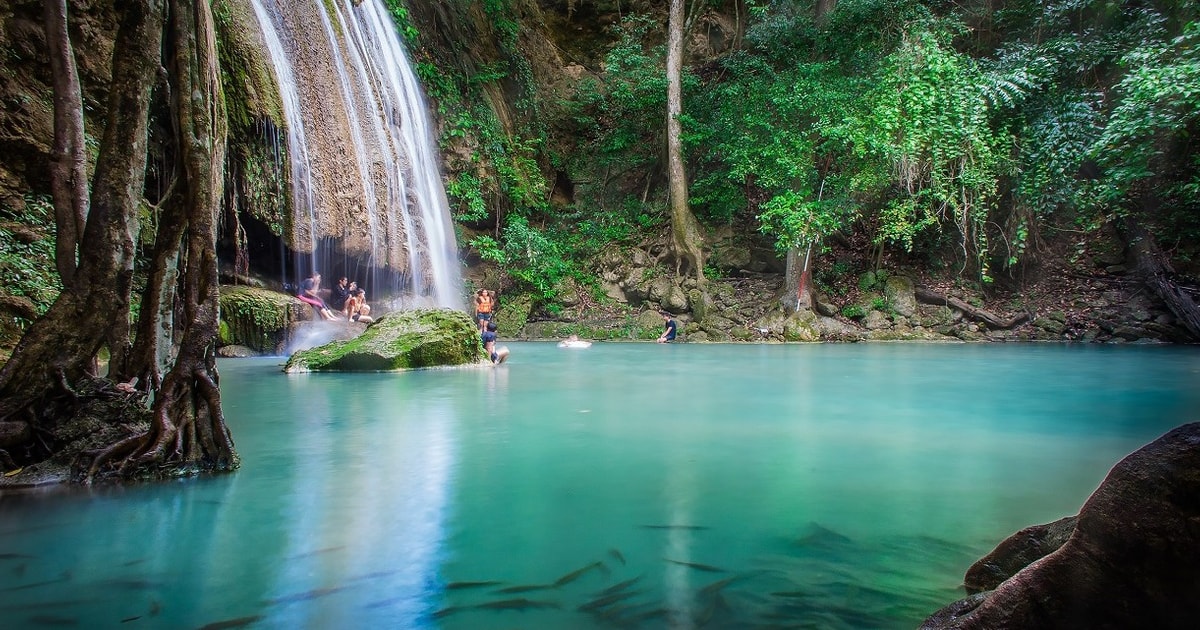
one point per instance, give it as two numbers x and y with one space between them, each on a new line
1132 561
396 341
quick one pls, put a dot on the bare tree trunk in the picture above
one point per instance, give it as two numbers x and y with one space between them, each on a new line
798 274
68 157
685 230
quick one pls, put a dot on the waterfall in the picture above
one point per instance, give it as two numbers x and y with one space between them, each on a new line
367 195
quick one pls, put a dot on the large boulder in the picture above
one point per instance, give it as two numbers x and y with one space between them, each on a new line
1017 552
396 341
258 318
1132 561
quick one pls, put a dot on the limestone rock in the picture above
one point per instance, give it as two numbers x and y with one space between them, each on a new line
258 318
399 340
901 295
237 352
1133 560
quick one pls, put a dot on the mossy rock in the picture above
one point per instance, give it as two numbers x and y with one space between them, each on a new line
257 318
511 316
592 330
801 326
648 325
399 340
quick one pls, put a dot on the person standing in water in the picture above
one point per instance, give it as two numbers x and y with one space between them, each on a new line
485 303
669 329
489 341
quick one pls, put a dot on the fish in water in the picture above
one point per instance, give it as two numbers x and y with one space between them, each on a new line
520 604
64 577
574 575
318 552
240 622
616 553
133 618
14 556
697 566
717 587
524 588
307 595
620 586
446 612
608 600
133 584
648 615
455 586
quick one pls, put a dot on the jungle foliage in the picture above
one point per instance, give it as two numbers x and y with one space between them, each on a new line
957 132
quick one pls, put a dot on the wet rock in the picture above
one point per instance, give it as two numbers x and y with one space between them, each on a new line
1050 325
1017 552
900 294
260 319
1133 560
876 320
237 352
399 340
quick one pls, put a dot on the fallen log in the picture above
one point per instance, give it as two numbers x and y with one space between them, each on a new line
927 296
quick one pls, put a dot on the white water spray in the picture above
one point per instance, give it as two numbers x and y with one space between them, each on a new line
366 181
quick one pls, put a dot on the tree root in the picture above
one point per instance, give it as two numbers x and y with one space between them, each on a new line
121 449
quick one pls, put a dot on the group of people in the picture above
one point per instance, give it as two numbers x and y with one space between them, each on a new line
351 301
346 297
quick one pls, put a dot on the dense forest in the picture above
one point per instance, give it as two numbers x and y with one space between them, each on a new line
985 143
737 163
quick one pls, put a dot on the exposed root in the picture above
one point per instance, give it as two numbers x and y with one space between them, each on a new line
121 449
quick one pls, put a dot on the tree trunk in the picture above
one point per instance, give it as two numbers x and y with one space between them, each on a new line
685 230
1155 270
174 358
798 274
68 157
62 346
994 321
822 10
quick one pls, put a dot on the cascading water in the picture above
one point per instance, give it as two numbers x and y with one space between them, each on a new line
367 194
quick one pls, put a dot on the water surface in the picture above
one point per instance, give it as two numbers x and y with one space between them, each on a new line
626 485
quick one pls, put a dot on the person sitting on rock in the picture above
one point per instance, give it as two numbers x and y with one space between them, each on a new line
357 308
310 293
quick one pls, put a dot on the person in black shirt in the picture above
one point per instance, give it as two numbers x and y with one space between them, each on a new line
489 341
669 329
339 294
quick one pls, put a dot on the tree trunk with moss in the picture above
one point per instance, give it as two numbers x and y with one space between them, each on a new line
174 358
68 159
685 230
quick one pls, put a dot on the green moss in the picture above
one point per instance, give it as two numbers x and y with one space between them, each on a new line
252 317
512 315
397 341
